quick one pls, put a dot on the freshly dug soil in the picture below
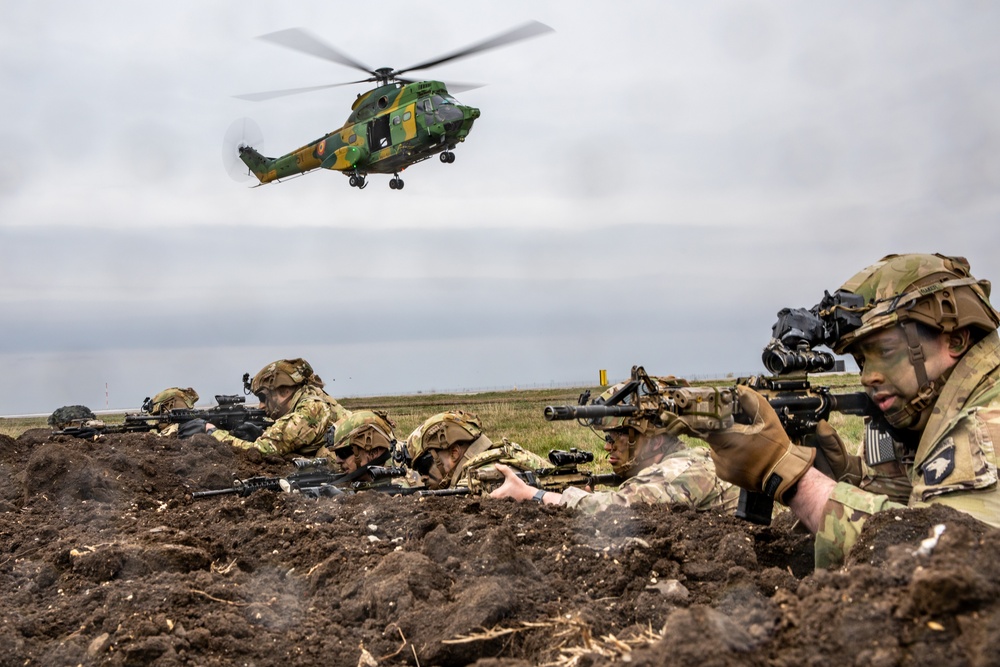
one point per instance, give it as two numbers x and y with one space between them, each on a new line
106 559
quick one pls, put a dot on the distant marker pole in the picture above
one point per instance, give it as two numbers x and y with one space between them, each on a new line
107 405
603 377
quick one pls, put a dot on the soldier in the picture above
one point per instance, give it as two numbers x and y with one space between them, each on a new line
340 457
291 394
924 335
656 465
368 437
449 446
169 399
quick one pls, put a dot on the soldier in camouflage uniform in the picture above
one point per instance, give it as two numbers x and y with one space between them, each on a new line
171 399
291 394
340 458
450 446
925 339
368 436
657 466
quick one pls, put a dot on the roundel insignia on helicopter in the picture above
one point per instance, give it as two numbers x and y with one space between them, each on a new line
377 138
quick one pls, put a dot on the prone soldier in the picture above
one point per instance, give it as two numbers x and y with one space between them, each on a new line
169 399
450 446
657 467
292 395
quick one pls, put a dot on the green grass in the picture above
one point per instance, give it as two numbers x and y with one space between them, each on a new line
516 415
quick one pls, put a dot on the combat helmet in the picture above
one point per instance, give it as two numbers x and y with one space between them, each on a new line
172 399
937 291
70 414
365 429
441 431
284 373
644 394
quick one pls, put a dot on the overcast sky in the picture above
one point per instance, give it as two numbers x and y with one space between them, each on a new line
648 184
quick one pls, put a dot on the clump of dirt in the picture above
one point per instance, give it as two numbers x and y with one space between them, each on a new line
106 559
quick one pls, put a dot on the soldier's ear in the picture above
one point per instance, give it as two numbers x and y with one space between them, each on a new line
959 341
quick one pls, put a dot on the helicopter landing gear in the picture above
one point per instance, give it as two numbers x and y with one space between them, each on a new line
447 157
396 183
358 181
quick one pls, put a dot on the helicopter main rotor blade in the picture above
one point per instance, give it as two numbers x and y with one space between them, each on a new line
271 94
298 39
452 86
530 29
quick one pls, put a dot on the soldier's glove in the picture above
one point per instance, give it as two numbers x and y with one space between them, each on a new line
758 456
248 431
843 466
191 427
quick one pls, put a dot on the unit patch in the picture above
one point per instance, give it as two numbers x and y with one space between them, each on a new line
940 467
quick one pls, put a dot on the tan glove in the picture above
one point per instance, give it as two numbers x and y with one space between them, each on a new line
843 467
758 456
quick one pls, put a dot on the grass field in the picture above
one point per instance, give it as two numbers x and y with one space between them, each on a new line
516 415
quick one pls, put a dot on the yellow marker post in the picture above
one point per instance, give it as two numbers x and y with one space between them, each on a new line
603 377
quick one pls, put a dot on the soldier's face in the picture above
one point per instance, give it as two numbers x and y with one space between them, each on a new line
887 372
274 402
441 466
620 445
345 457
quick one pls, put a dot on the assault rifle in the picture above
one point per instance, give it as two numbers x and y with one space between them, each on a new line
227 415
672 404
565 472
314 479
89 428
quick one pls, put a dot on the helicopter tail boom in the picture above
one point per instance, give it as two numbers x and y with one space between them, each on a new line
259 165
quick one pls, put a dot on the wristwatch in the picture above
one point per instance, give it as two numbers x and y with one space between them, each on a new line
539 496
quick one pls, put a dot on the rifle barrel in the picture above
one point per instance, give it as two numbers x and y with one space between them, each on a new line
563 412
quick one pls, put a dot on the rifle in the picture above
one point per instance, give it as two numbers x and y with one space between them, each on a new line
681 409
227 415
314 479
565 472
89 428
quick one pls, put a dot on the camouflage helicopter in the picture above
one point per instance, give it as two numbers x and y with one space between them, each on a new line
397 124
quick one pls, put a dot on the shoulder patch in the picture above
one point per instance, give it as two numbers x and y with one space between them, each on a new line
940 467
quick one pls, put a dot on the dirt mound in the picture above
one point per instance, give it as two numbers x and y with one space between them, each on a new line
105 559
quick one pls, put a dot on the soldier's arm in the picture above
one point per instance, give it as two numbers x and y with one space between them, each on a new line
516 488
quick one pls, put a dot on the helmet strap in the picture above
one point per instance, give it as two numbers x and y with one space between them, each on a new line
927 391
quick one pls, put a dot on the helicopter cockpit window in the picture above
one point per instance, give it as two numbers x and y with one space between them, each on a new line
427 106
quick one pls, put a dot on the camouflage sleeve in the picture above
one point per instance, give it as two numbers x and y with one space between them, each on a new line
306 425
684 478
844 516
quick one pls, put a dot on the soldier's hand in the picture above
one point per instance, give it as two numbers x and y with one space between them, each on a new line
248 431
191 427
758 456
845 467
513 486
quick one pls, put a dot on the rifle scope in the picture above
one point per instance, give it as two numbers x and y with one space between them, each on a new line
560 457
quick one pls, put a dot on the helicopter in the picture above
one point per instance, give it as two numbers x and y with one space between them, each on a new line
396 124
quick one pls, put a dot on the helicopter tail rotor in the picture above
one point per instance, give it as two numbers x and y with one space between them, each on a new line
242 138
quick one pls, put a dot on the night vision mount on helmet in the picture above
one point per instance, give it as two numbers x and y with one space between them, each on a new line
397 124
